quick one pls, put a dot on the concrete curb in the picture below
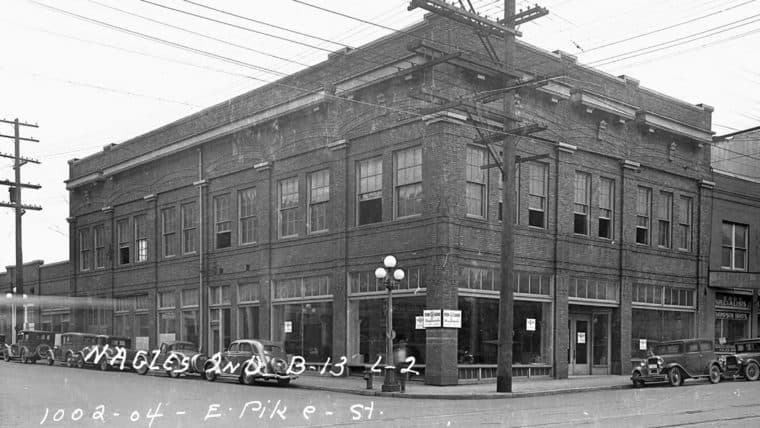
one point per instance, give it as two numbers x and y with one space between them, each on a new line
470 396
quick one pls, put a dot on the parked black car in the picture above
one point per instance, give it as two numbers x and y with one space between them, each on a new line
745 361
676 360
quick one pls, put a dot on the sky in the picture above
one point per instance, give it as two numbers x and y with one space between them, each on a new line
122 68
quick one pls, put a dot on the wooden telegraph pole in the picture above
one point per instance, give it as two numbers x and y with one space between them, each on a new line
503 28
15 187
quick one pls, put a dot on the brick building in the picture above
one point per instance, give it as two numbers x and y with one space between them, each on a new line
267 214
735 252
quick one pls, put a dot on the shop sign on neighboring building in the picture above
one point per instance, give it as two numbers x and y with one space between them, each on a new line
419 323
452 318
740 316
432 317
732 301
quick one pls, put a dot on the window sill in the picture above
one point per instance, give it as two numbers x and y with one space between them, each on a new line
475 217
318 232
287 237
730 269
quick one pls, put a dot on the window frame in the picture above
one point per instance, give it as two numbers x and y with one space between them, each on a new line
585 204
140 222
376 192
416 180
646 216
188 228
665 219
84 249
250 216
543 197
219 222
291 208
685 224
100 246
320 202
471 171
124 238
606 213
167 235
733 246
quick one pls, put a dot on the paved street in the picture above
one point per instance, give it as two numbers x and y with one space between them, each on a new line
31 395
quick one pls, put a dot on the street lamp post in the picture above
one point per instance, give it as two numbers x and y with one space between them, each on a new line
390 383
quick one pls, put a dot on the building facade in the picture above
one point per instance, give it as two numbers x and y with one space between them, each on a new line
266 215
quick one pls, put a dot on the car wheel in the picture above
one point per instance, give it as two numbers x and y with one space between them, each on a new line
283 382
714 374
752 371
70 361
675 377
210 375
637 382
6 357
80 362
104 364
23 357
51 359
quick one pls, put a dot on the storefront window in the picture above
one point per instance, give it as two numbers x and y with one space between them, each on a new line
367 324
657 325
601 339
305 329
190 326
478 337
249 322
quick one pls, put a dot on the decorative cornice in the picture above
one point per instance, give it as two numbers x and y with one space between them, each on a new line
262 166
444 116
629 164
337 145
71 220
567 148
706 184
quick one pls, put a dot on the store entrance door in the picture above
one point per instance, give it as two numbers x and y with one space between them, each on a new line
580 339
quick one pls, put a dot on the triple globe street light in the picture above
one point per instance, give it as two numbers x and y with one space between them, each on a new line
390 274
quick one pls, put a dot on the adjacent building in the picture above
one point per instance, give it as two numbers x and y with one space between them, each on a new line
266 215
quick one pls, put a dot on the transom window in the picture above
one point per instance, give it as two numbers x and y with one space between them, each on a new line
408 182
370 191
288 207
477 182
734 246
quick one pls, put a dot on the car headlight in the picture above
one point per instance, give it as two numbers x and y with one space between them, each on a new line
722 360
660 362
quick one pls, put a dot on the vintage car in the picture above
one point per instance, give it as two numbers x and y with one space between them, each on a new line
101 340
676 360
179 350
745 360
272 360
71 343
31 346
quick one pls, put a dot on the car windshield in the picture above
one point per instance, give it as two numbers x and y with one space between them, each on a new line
182 346
670 348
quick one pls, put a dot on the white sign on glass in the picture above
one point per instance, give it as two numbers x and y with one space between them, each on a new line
288 326
530 324
642 344
419 322
432 318
142 343
452 318
166 337
581 337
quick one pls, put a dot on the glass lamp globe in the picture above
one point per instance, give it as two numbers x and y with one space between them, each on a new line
380 273
398 274
8 295
389 262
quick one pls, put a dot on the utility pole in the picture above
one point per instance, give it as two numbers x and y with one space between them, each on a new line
15 187
505 28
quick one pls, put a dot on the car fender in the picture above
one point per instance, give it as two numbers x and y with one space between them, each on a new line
714 363
671 366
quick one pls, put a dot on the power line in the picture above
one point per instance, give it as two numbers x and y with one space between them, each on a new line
227 42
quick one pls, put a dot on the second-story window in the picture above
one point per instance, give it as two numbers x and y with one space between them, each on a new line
582 202
537 194
248 219
288 207
141 239
125 239
477 182
643 214
222 223
169 231
189 214
100 247
370 191
84 249
664 219
408 195
606 207
319 195
734 246
684 223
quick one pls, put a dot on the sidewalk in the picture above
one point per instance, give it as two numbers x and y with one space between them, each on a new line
521 387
